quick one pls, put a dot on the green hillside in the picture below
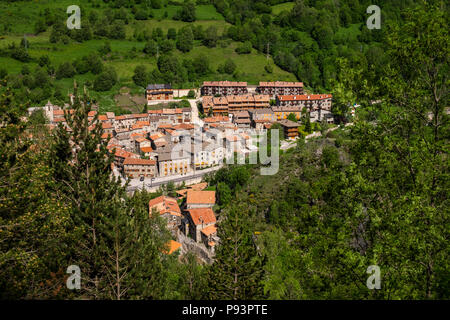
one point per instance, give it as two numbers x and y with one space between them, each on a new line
19 20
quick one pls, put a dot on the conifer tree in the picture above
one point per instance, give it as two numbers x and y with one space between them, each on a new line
34 222
82 166
119 249
237 271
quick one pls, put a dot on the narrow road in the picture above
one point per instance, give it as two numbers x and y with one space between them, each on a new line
194 112
155 182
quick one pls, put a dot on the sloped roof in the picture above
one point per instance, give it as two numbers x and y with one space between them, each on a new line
202 215
304 97
200 197
169 205
209 230
281 84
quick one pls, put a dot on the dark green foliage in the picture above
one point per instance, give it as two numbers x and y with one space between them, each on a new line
245 48
171 34
191 94
308 128
65 70
228 67
237 272
20 53
223 194
105 49
44 61
187 12
292 117
140 76
3 73
185 40
105 80
151 47
40 26
34 223
210 37
167 45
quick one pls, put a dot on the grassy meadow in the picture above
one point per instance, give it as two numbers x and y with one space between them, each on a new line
21 16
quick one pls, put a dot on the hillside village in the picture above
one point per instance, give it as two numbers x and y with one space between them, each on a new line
181 144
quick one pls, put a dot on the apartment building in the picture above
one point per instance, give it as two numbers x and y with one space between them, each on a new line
290 128
242 119
223 88
310 101
207 154
158 92
282 112
172 162
280 88
135 168
235 103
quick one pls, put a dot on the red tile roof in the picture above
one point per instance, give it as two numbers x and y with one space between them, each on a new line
305 97
281 84
225 83
124 154
146 149
209 230
164 205
202 215
106 135
200 197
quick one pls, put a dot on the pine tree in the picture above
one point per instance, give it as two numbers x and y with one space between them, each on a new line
34 222
237 271
308 124
147 239
82 166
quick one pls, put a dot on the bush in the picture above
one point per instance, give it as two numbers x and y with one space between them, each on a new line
3 73
185 41
187 12
245 48
105 80
151 47
191 94
141 14
20 54
65 70
140 76
229 66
